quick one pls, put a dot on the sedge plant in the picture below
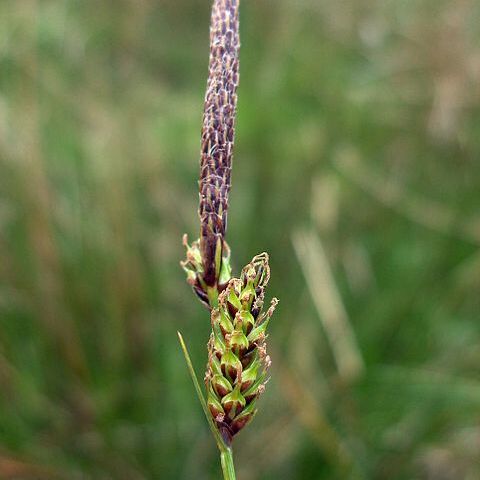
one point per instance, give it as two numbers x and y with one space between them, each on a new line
237 357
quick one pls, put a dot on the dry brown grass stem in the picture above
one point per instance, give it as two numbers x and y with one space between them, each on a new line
329 305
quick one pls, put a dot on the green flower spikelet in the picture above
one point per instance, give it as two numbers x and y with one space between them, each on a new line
238 360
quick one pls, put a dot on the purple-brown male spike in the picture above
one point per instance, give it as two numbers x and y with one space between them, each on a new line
218 134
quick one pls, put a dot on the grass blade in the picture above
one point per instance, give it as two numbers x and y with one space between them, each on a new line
218 438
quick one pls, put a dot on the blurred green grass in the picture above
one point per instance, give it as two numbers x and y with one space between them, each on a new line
357 143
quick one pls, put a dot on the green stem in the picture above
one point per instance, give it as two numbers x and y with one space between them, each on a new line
226 454
226 457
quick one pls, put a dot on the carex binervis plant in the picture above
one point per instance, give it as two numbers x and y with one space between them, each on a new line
237 356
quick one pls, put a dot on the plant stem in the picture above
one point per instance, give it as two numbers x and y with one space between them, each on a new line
226 457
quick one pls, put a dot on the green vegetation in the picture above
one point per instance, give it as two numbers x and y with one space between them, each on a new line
356 168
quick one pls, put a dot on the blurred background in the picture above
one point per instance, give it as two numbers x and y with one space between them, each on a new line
356 167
